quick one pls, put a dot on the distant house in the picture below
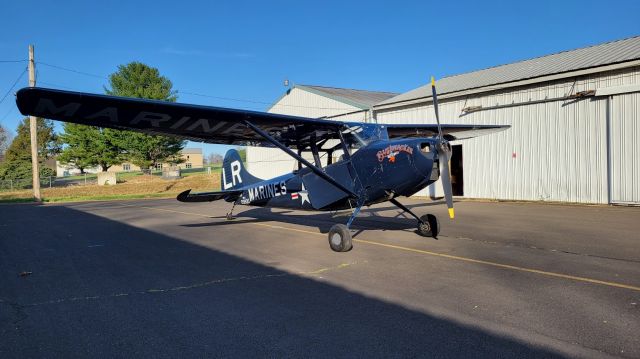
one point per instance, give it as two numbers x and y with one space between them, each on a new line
192 157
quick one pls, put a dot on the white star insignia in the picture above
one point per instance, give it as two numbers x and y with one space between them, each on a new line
304 195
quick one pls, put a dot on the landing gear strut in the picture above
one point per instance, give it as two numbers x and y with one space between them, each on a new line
339 234
428 225
230 214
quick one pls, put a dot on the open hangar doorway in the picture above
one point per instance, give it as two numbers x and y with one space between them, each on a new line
457 179
455 166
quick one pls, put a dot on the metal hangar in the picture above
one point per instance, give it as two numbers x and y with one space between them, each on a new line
574 119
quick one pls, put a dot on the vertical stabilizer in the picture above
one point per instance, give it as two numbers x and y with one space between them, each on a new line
234 174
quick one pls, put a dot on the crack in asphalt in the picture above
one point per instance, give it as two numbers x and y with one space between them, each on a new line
627 260
21 307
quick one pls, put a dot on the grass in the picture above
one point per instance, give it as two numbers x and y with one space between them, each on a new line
142 186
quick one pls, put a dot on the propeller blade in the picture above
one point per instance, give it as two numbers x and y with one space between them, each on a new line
435 107
445 177
444 155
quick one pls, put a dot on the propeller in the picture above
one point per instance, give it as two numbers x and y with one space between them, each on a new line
444 155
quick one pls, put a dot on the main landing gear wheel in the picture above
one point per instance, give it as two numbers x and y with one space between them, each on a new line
429 226
340 238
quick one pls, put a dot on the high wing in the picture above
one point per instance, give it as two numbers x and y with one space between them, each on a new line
190 122
450 132
213 124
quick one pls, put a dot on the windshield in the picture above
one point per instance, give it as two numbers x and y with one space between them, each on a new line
361 134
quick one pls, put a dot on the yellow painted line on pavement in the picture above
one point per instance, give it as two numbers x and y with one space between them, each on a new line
435 254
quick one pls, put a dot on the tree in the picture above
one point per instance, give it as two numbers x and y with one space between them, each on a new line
110 148
242 151
80 150
141 81
88 146
4 141
214 158
17 164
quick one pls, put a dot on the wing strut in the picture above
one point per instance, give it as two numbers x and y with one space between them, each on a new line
313 168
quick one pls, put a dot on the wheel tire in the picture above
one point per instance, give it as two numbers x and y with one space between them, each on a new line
340 238
429 227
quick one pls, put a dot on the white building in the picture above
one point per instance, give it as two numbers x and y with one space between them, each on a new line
574 120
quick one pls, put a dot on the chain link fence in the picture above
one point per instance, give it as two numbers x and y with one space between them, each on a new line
48 182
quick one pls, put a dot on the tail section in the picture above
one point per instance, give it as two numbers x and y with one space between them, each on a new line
234 175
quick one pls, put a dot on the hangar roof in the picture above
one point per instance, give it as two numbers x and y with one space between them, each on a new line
608 53
359 98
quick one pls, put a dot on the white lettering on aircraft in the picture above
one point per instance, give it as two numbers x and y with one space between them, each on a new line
268 190
235 174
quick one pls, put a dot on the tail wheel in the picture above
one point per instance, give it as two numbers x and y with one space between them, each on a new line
429 226
340 238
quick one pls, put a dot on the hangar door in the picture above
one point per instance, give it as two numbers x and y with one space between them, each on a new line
624 152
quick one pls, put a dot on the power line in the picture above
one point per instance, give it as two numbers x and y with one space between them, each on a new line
205 95
7 114
263 102
54 85
72 70
14 85
12 61
223 98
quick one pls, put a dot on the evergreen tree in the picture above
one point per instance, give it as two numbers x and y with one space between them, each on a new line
141 81
80 150
17 164
110 148
88 146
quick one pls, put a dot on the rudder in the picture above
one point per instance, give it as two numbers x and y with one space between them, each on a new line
234 174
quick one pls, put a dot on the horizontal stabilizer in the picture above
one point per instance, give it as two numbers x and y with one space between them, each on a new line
228 196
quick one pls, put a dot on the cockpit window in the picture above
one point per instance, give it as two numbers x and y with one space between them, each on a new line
425 147
361 134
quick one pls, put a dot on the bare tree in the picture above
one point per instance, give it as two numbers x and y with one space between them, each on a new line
214 158
5 140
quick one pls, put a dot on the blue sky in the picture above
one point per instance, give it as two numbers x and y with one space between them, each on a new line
245 49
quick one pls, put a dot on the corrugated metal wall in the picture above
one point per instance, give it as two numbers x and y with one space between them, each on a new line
625 148
270 162
554 151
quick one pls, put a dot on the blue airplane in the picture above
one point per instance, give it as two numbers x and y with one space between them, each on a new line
379 162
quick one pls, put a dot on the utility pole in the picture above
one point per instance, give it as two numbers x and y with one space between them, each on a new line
33 126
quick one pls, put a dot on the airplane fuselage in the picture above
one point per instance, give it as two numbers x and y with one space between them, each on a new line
376 172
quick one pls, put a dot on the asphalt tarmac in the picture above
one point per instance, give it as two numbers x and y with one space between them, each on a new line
159 278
